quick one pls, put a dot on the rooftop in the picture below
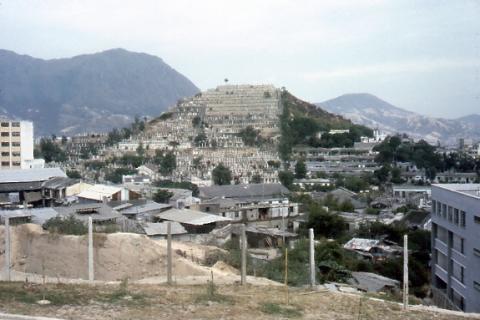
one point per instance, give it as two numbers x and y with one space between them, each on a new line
30 175
192 217
244 190
469 189
153 229
98 191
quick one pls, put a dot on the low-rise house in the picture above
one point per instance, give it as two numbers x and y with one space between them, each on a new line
105 193
142 210
341 195
304 183
376 250
193 221
160 230
99 212
372 282
181 198
355 219
264 238
15 216
150 170
138 180
36 187
248 202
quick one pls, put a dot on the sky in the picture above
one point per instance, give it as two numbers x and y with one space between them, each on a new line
423 56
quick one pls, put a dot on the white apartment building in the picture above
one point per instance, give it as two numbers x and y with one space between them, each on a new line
16 144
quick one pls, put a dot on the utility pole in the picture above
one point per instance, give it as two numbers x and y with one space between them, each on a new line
90 249
405 272
287 299
169 253
244 255
7 250
312 257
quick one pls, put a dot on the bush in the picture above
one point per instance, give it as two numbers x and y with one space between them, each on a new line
65 225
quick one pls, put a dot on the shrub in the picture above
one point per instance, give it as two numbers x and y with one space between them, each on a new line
65 225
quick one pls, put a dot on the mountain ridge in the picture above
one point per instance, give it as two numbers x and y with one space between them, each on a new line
367 109
88 92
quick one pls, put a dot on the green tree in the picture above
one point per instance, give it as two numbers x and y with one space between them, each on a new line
140 150
300 169
221 175
324 223
286 178
116 175
162 196
168 163
74 174
250 136
50 151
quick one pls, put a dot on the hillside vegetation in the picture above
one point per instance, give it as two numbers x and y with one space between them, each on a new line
301 124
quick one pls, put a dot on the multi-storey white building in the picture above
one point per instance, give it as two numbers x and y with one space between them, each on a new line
456 246
16 144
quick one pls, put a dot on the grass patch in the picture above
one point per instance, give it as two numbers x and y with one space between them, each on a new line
212 295
285 311
63 294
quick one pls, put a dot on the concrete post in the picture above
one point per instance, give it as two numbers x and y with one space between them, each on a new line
243 245
405 272
90 249
7 250
169 253
312 257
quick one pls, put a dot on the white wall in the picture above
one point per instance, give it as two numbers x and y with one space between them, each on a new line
26 136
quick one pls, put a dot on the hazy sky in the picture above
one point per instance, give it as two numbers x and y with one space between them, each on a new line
421 55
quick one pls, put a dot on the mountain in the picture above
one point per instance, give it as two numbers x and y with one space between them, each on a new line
369 110
92 92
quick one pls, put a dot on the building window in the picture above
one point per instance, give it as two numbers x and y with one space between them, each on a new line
16 124
5 154
15 144
444 211
5 124
450 213
5 164
458 271
5 144
476 285
16 154
15 134
458 243
5 134
476 252
476 219
462 219
16 164
455 216
434 206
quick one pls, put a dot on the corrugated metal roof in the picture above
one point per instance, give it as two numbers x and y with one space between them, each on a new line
244 190
372 282
98 191
29 175
39 215
152 229
361 244
147 207
14 214
192 217
102 211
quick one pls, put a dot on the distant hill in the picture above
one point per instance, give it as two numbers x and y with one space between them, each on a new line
305 124
93 92
369 110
